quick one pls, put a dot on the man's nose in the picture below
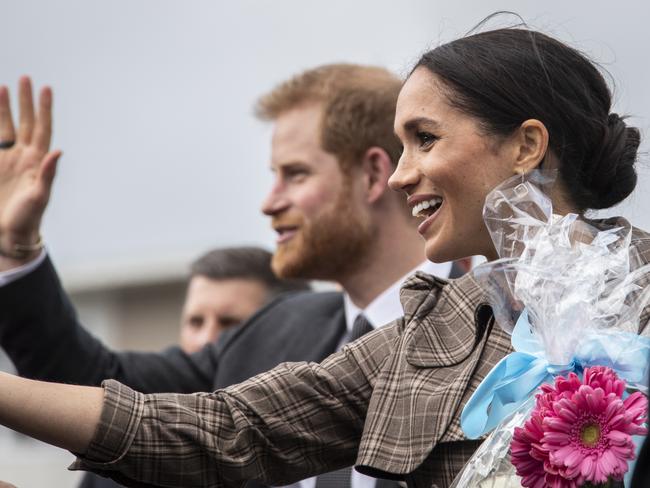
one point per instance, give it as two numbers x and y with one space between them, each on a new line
275 202
211 330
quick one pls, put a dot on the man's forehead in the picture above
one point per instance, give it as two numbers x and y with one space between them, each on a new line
296 134
304 119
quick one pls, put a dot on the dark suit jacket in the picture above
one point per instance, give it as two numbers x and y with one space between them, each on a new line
40 332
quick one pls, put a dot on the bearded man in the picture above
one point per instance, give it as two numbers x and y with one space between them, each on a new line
333 150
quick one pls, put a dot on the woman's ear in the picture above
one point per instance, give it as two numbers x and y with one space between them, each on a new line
377 168
531 139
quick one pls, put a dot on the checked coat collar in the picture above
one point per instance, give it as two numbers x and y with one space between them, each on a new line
446 329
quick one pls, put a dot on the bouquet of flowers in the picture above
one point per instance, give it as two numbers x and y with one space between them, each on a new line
579 432
565 409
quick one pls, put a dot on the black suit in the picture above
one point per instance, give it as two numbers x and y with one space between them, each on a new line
40 333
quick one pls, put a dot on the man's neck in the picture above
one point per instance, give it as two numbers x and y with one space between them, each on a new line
389 260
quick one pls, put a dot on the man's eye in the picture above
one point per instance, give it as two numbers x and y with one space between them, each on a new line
196 322
295 174
425 138
229 321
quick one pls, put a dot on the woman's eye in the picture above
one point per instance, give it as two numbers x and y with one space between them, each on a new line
425 138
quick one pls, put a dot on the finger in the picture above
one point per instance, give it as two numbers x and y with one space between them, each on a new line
48 170
43 127
26 107
6 124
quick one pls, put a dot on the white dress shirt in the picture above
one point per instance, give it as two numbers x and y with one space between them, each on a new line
10 275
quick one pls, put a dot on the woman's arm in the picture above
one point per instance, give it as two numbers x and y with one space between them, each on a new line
290 423
62 415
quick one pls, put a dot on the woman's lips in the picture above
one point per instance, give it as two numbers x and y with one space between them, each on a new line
424 226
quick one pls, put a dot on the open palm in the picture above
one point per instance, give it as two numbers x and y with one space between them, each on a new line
27 167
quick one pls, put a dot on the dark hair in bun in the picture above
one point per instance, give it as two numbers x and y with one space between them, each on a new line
506 76
611 176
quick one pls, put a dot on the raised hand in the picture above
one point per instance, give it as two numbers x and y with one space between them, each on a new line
27 169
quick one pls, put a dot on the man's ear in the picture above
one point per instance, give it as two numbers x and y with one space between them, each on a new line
531 144
377 168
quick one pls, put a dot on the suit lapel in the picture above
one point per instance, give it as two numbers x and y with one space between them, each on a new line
332 335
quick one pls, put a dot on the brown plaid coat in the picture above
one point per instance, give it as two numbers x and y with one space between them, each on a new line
389 403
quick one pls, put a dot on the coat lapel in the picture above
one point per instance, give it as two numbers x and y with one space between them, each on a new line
435 366
442 329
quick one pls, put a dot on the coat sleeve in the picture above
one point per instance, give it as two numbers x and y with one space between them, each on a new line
287 424
41 334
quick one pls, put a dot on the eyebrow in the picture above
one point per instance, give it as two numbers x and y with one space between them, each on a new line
412 124
283 166
289 164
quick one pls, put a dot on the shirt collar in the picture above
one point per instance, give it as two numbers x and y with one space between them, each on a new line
387 307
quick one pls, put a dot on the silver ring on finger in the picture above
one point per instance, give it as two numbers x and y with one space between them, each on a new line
7 144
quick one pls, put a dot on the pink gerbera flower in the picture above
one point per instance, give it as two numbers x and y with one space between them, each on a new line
531 460
605 378
528 455
579 431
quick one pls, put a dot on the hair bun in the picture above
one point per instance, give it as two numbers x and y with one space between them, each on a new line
614 119
611 176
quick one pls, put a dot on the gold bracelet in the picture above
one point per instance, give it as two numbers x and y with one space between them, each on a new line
21 251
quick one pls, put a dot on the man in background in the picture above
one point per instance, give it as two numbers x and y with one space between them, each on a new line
333 150
226 286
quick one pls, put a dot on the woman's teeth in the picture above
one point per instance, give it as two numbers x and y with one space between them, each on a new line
426 208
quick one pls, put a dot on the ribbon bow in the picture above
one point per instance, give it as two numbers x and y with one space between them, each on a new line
516 377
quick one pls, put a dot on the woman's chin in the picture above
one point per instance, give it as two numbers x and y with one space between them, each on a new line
439 254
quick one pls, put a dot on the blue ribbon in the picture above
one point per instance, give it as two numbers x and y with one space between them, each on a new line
516 377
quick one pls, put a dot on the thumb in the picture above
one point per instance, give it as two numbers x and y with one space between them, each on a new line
48 169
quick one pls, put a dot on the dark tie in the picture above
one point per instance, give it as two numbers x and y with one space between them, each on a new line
341 478
360 327
335 479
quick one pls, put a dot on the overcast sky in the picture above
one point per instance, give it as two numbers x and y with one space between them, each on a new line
162 155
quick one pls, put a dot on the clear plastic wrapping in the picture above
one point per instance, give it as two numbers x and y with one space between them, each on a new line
583 292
